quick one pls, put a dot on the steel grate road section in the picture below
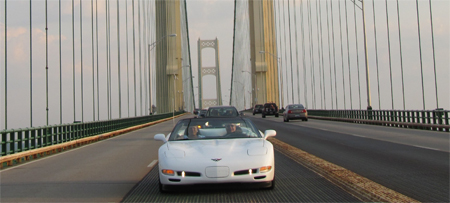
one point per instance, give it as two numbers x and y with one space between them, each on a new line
294 183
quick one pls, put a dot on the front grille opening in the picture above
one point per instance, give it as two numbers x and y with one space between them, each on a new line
189 174
259 177
174 180
245 172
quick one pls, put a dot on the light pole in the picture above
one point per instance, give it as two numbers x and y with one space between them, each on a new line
281 75
150 48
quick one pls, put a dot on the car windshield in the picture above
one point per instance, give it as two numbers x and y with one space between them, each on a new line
214 128
258 106
222 112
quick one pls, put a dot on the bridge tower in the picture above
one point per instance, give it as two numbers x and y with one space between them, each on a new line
263 53
203 71
168 57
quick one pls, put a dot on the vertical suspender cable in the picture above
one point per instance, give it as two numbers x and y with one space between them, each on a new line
334 55
329 57
73 59
420 53
6 67
107 54
81 65
92 53
109 61
342 53
60 66
126 31
281 68
145 54
118 60
357 54
296 52
96 41
401 55
318 54
389 52
311 54
134 58
434 55
323 63
31 66
366 57
376 53
348 58
46 60
305 90
285 49
140 65
290 46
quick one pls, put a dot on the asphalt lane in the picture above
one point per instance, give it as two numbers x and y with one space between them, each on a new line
104 171
417 172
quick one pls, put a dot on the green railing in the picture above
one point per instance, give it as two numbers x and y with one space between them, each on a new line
20 140
434 120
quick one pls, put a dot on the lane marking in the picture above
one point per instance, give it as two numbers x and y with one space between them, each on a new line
152 164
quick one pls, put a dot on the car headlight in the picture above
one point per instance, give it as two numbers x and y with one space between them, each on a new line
265 169
257 151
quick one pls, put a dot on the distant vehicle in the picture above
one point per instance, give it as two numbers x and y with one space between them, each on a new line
257 109
216 151
196 111
222 111
270 109
295 111
202 113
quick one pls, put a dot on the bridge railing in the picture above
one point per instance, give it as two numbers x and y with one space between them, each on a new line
431 119
20 140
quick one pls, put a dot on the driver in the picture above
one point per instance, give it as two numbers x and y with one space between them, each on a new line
233 128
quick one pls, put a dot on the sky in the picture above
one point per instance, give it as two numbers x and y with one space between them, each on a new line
208 19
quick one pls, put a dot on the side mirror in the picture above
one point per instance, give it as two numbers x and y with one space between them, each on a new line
160 137
269 133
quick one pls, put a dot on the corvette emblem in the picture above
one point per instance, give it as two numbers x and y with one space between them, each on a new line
216 159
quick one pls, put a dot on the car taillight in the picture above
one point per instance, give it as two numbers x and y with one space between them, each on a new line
304 111
290 111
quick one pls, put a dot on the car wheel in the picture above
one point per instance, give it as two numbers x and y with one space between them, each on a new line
287 119
306 119
272 186
276 115
263 115
253 113
284 119
161 187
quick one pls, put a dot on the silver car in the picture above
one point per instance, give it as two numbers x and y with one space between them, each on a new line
295 111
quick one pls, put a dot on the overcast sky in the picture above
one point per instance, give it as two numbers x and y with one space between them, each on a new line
208 19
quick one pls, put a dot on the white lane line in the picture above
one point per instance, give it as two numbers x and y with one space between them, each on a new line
152 164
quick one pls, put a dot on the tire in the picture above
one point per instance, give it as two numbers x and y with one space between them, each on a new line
161 187
284 119
276 115
263 115
287 119
306 119
272 186
253 113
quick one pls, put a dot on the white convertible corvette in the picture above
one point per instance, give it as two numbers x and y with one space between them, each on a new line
216 150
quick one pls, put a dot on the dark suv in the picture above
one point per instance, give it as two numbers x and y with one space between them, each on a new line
270 109
257 109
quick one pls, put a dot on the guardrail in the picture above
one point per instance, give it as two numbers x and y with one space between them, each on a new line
430 120
20 140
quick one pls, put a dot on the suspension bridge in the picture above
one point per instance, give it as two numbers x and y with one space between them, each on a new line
372 74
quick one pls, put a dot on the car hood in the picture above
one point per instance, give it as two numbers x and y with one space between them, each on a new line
217 148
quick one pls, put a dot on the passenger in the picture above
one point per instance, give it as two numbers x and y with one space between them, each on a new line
193 132
214 113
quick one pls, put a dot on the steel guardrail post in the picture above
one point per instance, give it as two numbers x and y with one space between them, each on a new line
11 142
39 137
4 143
33 138
19 141
26 140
